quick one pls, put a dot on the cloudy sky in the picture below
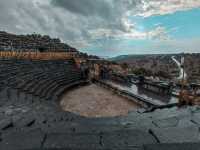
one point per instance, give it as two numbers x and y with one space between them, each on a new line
109 27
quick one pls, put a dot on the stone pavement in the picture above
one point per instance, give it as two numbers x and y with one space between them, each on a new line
170 128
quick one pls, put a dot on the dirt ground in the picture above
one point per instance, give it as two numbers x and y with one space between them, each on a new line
95 101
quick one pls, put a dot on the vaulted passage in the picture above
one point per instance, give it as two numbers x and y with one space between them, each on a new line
95 101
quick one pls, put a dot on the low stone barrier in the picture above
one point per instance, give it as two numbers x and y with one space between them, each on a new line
145 103
139 100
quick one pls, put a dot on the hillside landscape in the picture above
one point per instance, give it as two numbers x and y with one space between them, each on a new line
163 65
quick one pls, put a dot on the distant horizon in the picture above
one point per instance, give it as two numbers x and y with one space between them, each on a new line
149 54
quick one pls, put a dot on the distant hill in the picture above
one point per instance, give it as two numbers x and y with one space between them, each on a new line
127 58
163 63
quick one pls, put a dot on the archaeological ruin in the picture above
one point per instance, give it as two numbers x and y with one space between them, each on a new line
54 97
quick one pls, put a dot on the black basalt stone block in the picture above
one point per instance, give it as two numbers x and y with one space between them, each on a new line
174 146
127 138
22 140
25 121
77 141
177 134
5 123
168 122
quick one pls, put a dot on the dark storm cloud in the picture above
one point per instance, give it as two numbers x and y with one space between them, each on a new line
70 20
101 8
107 13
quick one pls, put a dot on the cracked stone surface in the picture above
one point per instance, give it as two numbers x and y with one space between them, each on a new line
168 122
175 146
178 135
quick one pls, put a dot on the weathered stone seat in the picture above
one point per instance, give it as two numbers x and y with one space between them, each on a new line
60 87
35 77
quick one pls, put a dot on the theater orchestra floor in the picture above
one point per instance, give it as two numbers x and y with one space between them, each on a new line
95 101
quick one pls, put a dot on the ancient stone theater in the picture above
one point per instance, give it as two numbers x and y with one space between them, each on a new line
53 97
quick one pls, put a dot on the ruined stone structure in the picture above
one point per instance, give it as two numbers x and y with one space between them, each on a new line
31 85
157 87
31 118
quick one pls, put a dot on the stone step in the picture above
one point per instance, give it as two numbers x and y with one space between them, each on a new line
48 85
56 91
36 139
177 134
22 140
133 138
173 146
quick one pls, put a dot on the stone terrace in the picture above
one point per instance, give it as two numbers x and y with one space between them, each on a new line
34 42
30 117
